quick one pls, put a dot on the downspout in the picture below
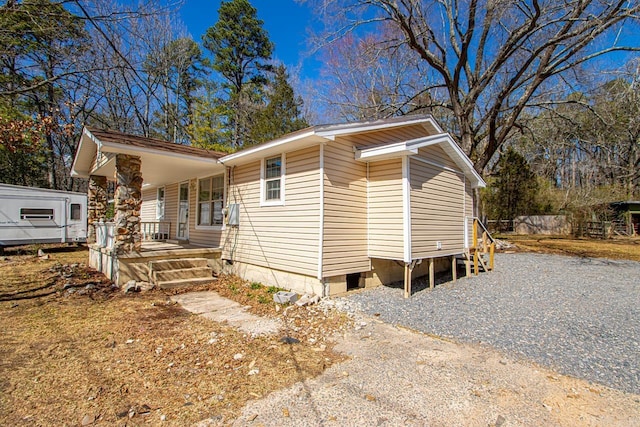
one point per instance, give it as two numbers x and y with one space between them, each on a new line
64 220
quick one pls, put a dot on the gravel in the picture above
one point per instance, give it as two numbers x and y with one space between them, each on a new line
578 316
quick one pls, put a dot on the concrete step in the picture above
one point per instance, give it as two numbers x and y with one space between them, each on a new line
170 284
176 264
182 273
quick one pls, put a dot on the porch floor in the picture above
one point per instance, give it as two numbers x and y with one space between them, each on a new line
150 246
151 250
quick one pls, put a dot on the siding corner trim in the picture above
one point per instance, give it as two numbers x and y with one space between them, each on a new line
321 213
406 208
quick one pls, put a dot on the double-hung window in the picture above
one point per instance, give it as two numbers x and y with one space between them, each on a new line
210 200
273 170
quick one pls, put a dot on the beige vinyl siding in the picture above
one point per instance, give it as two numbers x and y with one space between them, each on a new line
436 154
278 237
386 235
437 210
346 245
468 207
210 237
383 137
345 211
148 206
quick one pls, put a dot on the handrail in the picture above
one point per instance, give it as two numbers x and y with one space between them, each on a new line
476 219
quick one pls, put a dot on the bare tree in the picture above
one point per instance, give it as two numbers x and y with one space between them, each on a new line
490 58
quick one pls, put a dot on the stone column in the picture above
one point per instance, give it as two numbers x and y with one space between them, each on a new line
96 205
128 198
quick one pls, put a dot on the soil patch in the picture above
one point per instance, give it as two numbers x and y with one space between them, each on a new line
97 356
618 248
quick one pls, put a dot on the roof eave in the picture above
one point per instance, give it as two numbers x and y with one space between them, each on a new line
284 144
351 128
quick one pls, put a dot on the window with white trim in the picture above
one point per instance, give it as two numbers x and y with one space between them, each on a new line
210 200
160 204
273 171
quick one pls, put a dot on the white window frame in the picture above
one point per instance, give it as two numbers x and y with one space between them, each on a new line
161 203
264 179
220 226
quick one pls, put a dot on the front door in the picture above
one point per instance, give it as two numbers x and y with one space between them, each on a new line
183 211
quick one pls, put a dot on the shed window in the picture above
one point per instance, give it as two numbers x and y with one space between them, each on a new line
210 200
273 171
36 213
75 212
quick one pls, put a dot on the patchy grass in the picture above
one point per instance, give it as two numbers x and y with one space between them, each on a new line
130 359
622 248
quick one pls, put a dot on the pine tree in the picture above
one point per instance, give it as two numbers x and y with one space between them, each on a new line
282 113
241 50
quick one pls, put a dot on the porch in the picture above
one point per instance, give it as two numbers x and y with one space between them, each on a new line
163 263
133 246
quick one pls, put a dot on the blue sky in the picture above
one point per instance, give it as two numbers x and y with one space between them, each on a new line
285 20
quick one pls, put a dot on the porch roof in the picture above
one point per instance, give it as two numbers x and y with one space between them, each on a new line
162 162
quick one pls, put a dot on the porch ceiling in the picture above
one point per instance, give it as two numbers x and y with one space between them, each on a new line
161 169
161 162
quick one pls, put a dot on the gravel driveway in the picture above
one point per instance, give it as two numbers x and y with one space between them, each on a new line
579 316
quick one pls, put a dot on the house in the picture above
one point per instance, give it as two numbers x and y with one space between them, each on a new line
319 210
38 215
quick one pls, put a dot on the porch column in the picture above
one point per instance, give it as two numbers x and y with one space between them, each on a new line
128 198
96 205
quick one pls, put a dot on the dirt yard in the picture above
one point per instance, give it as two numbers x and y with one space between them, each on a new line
91 355
77 351
619 248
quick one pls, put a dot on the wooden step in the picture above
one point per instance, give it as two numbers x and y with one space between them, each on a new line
181 273
176 264
170 284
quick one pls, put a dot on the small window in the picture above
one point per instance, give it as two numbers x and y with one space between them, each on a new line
35 213
210 200
160 204
75 213
272 177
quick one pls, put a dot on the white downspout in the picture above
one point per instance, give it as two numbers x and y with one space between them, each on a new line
63 233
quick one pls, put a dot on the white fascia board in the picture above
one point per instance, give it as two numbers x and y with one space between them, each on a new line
83 160
115 147
383 152
276 146
453 150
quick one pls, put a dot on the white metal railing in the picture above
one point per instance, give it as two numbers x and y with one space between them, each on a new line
105 232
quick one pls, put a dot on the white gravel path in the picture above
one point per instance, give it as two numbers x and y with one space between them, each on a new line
579 316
